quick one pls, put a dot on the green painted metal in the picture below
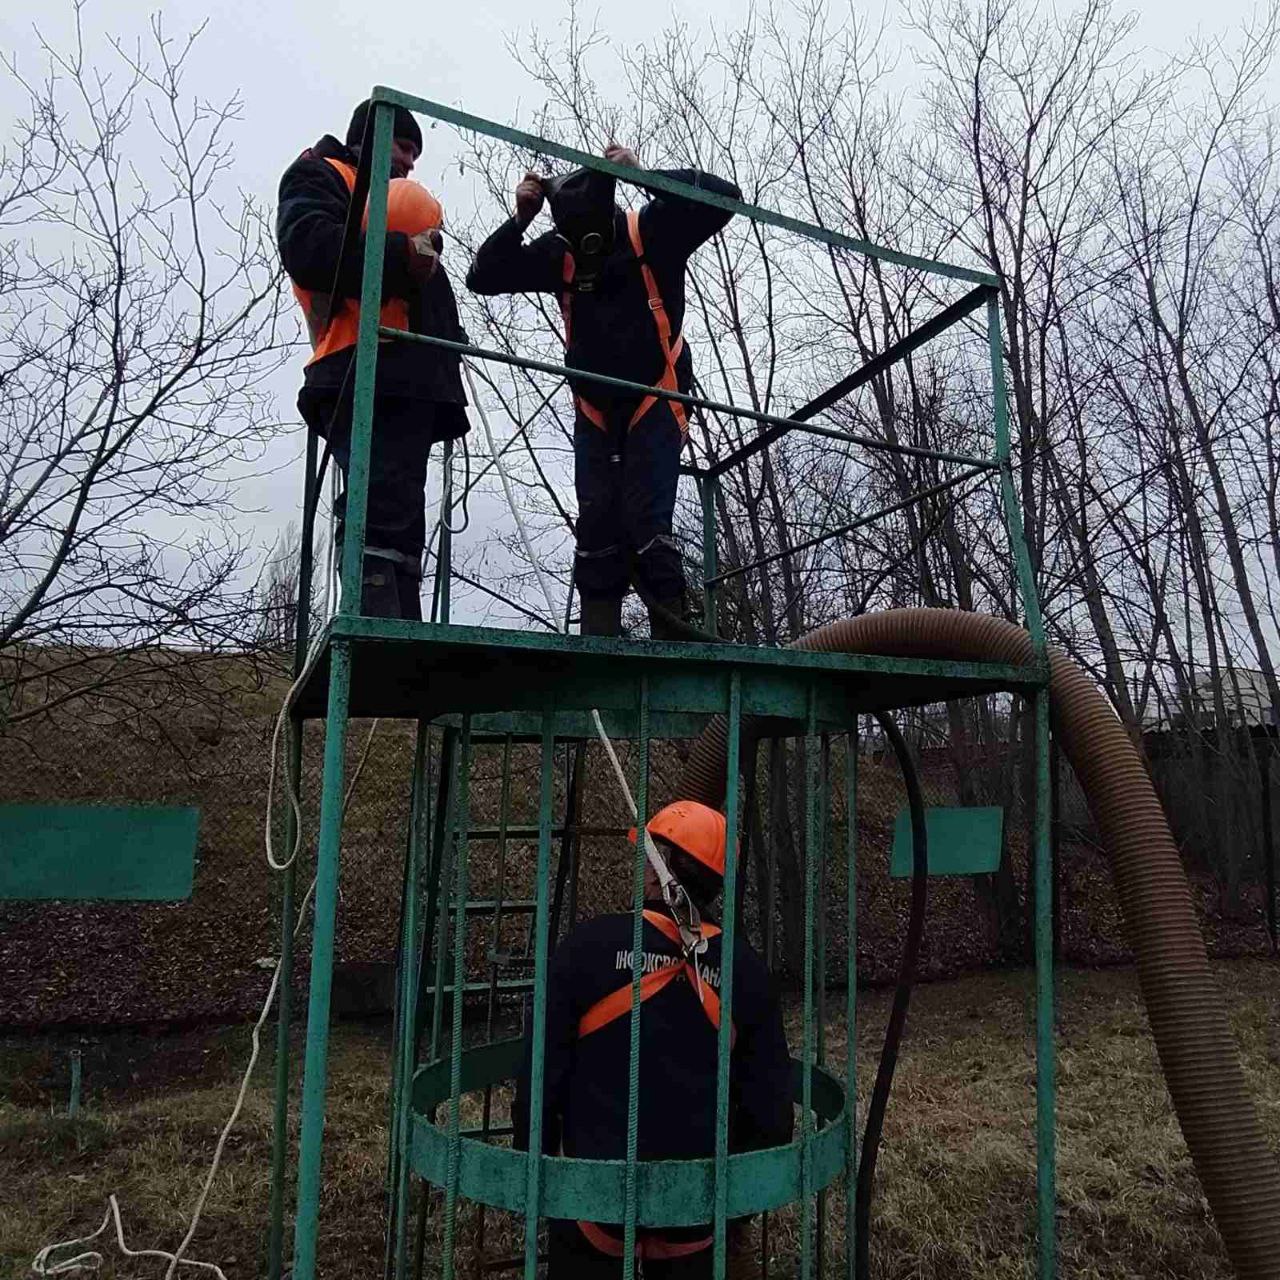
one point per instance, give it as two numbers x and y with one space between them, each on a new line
443 602
1009 495
542 688
315 1069
811 858
654 181
728 953
963 840
632 1184
824 839
375 239
533 1160
851 1002
407 1003
104 853
670 1192
288 910
1046 1192
462 847
77 1067
431 947
676 397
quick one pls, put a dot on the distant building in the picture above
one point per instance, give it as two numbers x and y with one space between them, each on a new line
1245 695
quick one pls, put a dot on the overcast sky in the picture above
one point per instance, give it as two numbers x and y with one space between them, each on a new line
301 66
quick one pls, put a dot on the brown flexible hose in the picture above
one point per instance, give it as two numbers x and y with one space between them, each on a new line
1239 1173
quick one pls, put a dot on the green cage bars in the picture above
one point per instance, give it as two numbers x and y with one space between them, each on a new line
478 690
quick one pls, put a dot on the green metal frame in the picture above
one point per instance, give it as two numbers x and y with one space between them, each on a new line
543 688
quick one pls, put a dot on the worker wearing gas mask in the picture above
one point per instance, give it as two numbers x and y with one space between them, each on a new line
588 1047
620 280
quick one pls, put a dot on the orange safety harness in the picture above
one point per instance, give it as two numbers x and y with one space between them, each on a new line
616 1003
670 349
609 1009
334 327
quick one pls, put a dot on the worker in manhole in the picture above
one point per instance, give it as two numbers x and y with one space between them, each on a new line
620 280
588 1042
419 398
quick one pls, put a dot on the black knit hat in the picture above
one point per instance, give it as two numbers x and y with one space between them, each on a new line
404 126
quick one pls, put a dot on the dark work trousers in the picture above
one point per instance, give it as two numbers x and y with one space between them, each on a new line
395 521
625 478
571 1256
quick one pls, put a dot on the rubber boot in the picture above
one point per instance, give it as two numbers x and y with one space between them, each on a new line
601 616
379 594
660 628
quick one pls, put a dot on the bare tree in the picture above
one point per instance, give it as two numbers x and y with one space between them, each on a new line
139 320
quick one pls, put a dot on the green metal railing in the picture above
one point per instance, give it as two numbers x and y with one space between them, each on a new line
474 688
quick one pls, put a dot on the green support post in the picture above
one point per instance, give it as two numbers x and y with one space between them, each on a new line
1008 493
331 806
415 1140
542 912
366 359
461 855
811 858
293 774
408 1001
824 836
442 595
315 1069
631 1188
851 1005
724 1036
1045 1082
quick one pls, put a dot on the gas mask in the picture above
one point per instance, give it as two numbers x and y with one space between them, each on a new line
584 214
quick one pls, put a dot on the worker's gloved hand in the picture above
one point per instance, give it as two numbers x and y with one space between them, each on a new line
618 154
424 255
529 198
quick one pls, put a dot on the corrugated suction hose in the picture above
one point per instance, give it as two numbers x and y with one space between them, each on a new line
1239 1173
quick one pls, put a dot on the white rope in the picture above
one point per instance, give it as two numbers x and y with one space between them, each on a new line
91 1260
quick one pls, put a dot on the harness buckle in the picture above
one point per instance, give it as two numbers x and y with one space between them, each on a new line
655 304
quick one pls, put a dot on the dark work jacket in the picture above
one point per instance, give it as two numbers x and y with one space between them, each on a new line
613 332
585 1081
310 220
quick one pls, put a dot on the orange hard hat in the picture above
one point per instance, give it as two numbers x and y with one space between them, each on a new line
694 828
411 208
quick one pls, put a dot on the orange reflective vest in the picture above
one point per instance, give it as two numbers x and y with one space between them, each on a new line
671 349
609 1009
333 323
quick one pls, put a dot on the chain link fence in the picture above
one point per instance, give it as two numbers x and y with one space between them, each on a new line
210 958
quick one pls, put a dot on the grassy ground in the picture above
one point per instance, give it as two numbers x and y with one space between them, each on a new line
955 1187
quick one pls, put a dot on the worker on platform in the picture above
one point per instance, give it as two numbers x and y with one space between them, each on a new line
620 279
419 397
588 1040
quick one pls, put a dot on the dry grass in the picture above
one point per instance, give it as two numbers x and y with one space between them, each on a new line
955 1189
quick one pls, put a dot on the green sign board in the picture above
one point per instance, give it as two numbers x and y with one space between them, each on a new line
124 853
962 841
